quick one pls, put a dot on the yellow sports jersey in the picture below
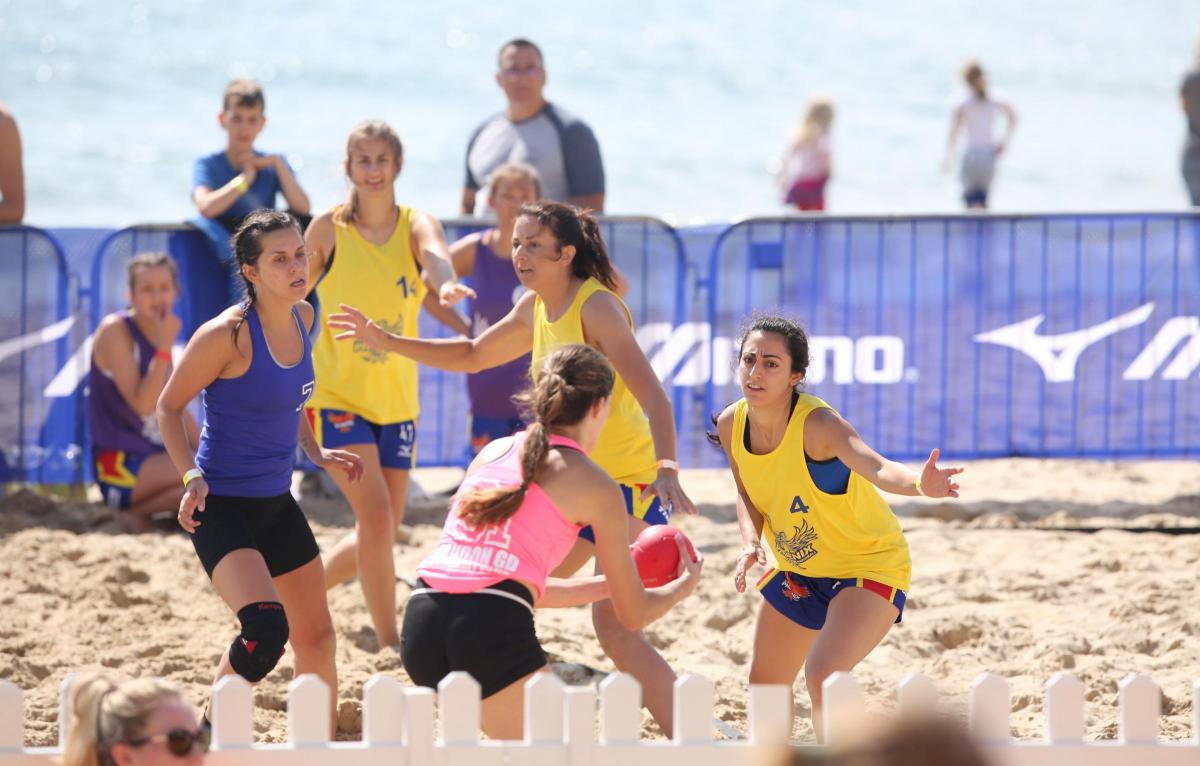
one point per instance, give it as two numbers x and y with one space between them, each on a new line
813 533
384 282
625 449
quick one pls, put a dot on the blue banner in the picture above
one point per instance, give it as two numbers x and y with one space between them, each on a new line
986 336
994 336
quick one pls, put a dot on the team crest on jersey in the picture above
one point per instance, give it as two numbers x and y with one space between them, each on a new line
798 548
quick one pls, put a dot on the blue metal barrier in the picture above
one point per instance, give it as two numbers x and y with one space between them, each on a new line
1057 335
36 321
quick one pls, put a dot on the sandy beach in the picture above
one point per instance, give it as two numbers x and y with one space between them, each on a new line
1043 566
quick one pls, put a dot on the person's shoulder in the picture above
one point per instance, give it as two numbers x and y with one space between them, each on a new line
111 327
307 314
6 114
496 118
564 117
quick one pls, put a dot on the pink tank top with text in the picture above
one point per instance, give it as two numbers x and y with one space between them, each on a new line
527 546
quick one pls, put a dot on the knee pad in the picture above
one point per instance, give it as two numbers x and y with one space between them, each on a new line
257 650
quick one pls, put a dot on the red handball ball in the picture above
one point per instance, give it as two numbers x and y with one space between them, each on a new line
656 555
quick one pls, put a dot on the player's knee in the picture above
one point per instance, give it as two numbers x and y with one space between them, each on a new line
376 525
815 674
257 649
315 642
615 639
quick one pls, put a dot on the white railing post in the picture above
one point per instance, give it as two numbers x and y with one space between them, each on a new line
620 710
693 710
1140 702
64 708
1064 709
544 710
418 725
12 717
770 715
309 711
916 696
1196 713
458 709
991 706
581 725
843 707
232 713
383 711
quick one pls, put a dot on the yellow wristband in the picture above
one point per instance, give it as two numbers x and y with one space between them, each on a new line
242 186
192 473
920 491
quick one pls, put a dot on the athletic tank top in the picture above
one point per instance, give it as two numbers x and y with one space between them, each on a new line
811 532
625 449
114 424
527 546
384 282
248 443
496 292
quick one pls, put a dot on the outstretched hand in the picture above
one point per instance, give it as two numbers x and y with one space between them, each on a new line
938 482
751 554
670 494
452 292
346 461
355 326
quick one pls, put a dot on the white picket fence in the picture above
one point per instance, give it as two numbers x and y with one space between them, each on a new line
399 726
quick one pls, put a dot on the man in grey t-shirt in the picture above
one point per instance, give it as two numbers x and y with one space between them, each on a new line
1189 91
561 146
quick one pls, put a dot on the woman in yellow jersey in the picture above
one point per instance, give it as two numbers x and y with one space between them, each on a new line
371 252
807 482
561 259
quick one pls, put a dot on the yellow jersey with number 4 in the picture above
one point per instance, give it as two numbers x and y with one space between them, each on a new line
625 449
811 532
384 282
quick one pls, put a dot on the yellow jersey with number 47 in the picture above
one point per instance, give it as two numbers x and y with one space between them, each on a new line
812 532
384 282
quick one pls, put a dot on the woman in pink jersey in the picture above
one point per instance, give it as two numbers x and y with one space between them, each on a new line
515 518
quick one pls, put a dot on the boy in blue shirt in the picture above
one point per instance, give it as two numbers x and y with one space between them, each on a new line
228 185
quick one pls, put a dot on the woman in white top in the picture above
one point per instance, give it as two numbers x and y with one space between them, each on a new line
976 117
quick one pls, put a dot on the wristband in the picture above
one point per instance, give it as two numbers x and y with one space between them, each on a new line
661 464
242 186
920 491
192 473
163 354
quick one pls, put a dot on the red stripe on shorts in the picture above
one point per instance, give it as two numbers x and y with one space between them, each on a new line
886 591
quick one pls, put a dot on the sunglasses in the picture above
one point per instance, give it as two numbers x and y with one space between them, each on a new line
179 741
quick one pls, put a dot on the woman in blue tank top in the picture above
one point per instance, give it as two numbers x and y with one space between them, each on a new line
252 364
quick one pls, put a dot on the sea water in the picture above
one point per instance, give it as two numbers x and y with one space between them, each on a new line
692 102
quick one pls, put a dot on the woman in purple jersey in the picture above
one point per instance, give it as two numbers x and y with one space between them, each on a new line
484 261
131 359
253 365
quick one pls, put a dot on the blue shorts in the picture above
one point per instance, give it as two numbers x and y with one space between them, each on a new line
484 430
337 429
805 600
649 510
116 474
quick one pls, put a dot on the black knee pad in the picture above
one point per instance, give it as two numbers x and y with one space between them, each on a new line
264 634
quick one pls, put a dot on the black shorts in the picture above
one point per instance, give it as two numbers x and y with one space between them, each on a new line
490 636
273 526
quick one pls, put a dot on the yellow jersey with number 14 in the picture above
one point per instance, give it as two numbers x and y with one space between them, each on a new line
811 532
625 449
384 282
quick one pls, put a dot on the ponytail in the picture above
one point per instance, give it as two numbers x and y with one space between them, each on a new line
569 383
574 226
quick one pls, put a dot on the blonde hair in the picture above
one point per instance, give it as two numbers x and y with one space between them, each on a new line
818 117
104 713
243 92
515 171
366 129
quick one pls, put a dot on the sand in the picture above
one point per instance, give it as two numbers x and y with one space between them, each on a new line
1040 568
